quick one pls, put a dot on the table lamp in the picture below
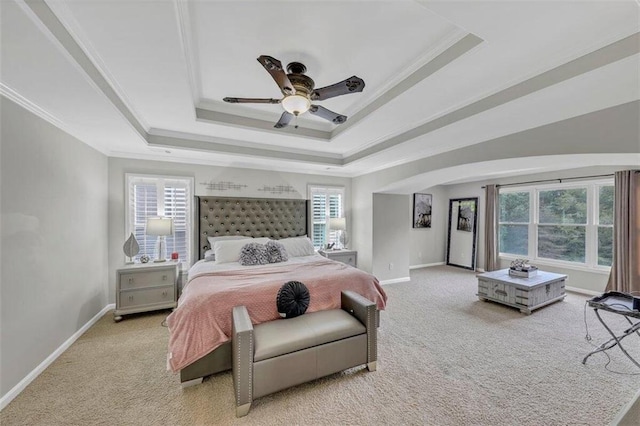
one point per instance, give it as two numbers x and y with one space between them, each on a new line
339 224
160 227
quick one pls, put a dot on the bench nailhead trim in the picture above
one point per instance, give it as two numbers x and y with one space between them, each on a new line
239 362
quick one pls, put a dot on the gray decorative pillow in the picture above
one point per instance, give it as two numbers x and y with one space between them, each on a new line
276 252
253 254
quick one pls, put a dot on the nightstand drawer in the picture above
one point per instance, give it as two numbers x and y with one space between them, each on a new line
142 279
149 296
349 259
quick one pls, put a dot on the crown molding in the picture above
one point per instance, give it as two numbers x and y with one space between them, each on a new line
25 103
38 111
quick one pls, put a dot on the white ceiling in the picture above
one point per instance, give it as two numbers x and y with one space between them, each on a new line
146 79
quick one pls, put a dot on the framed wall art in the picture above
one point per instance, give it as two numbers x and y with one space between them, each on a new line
422 210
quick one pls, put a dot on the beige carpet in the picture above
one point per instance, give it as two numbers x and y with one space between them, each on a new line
445 358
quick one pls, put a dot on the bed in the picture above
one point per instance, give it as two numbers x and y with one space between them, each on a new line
200 327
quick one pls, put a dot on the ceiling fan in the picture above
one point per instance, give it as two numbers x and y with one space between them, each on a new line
298 90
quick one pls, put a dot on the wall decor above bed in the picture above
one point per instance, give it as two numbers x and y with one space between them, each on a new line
278 189
252 217
222 186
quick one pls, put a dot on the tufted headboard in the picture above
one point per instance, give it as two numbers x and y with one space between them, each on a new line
254 217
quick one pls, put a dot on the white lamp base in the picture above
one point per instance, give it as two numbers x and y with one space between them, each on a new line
160 250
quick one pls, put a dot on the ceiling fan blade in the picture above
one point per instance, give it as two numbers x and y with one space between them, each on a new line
251 101
322 112
350 85
284 121
274 67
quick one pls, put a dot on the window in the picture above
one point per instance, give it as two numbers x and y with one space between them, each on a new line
152 196
326 203
604 223
560 223
514 222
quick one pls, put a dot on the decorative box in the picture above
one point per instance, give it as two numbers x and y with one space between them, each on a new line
523 274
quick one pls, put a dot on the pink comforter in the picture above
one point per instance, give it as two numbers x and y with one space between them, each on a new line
202 321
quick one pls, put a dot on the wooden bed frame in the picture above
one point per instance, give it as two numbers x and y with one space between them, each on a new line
253 217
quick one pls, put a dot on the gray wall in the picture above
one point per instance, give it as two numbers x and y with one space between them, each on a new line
592 136
54 229
391 236
587 280
253 179
427 245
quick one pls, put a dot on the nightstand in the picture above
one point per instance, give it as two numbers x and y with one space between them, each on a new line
350 257
146 287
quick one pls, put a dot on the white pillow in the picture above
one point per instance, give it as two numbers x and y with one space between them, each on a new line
298 246
212 240
229 250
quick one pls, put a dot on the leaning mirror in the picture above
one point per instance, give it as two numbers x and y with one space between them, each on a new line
461 239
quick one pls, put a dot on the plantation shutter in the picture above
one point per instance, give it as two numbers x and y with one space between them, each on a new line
328 202
143 203
319 219
176 206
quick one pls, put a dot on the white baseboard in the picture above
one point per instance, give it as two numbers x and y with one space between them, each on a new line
583 291
395 280
426 265
15 391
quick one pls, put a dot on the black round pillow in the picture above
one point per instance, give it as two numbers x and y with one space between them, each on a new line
293 299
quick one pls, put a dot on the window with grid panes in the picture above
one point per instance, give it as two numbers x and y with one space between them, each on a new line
326 203
564 223
153 196
604 222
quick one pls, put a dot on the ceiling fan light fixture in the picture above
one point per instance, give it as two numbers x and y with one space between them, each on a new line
296 104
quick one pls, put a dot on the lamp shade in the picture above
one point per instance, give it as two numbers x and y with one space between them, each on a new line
338 223
159 226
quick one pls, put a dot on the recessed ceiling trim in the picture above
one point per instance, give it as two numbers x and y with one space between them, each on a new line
459 48
189 46
238 143
611 53
606 55
207 115
406 70
173 142
64 29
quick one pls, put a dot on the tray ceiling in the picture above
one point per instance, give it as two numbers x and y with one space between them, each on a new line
146 79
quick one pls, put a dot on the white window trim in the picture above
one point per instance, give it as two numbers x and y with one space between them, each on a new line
591 231
127 224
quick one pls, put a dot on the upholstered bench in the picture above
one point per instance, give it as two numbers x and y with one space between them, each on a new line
272 356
